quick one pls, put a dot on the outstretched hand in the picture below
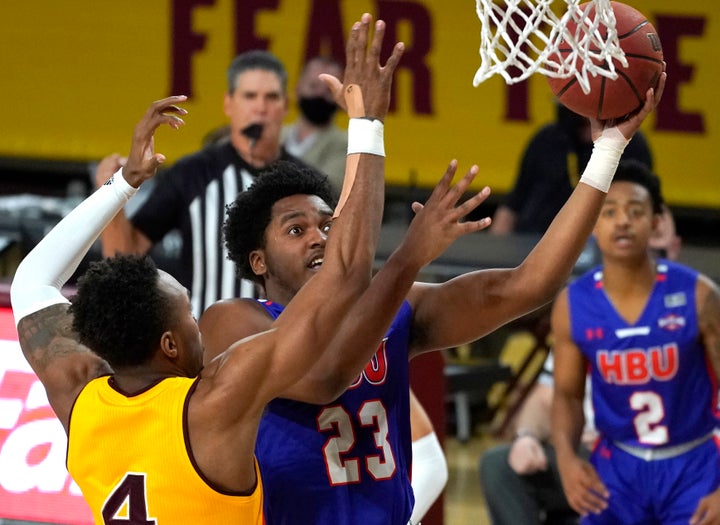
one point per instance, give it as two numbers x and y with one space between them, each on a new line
363 69
142 162
438 223
630 124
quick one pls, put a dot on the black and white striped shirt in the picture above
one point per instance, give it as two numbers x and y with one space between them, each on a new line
191 198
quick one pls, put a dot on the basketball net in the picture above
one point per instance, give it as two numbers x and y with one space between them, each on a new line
522 37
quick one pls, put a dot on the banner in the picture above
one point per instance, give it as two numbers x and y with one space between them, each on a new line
77 75
34 483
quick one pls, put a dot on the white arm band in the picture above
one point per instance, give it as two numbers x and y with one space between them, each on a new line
365 136
44 271
604 160
429 474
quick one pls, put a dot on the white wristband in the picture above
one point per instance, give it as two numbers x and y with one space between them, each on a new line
604 160
365 136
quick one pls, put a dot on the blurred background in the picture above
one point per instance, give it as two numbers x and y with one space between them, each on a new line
77 75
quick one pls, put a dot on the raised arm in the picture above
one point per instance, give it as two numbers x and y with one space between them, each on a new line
314 315
44 325
583 488
474 304
120 235
435 226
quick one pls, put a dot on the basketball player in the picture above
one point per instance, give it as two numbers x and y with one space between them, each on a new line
154 436
648 330
343 455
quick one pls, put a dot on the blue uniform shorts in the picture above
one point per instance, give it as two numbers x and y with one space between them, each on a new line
660 491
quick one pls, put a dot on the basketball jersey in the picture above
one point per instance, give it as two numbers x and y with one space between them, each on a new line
347 462
652 385
130 457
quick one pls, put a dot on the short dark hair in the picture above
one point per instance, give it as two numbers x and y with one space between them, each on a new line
636 172
249 216
255 59
119 311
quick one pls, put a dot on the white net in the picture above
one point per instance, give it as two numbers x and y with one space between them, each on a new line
522 37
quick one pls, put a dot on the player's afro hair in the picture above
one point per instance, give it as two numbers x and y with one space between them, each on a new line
249 216
119 311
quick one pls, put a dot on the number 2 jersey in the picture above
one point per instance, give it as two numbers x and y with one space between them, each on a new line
347 462
652 384
131 458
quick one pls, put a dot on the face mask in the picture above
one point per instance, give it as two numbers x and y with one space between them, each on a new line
317 110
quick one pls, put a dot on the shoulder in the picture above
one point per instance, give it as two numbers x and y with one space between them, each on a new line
238 311
707 290
707 302
585 280
231 320
679 268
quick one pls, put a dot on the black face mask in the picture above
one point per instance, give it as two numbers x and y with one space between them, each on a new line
317 110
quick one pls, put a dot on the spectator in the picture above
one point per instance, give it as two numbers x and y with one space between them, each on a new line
314 137
549 169
520 480
191 196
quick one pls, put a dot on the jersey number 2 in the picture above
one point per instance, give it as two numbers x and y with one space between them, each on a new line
344 470
128 496
651 412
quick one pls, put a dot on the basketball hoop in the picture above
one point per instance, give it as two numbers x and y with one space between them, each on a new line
522 37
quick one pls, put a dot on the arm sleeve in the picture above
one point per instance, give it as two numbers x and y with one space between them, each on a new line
50 264
429 474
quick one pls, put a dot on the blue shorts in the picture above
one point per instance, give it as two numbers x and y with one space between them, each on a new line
664 491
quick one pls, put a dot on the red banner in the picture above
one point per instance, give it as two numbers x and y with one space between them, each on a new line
34 483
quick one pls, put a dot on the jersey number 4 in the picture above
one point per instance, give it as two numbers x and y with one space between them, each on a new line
127 505
342 467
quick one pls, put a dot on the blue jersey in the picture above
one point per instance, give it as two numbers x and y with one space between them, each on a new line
652 385
347 462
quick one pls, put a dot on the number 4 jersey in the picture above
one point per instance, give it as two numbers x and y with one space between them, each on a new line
346 462
652 385
131 457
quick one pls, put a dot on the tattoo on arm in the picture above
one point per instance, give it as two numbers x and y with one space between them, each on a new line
48 334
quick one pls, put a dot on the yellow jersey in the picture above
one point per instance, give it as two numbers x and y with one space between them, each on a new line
130 456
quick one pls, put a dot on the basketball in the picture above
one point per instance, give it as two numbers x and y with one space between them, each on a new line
608 98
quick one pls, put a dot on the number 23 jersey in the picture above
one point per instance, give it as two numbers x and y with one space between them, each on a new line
347 462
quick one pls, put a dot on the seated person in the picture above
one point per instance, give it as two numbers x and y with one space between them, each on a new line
520 479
